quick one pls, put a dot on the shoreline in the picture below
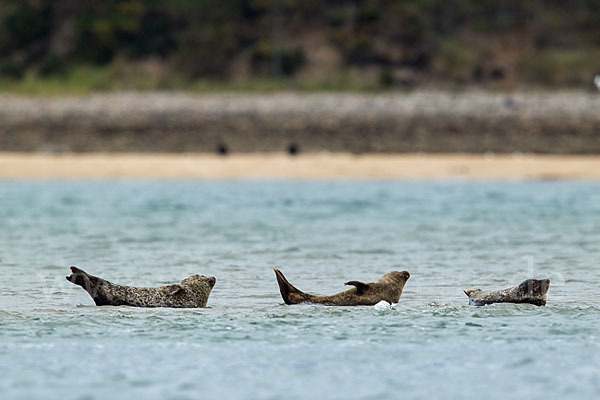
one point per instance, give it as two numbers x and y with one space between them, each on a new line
311 166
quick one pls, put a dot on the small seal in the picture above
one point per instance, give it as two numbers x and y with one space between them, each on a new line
192 292
532 291
388 288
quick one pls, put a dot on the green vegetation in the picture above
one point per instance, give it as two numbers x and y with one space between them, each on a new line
87 79
57 46
560 67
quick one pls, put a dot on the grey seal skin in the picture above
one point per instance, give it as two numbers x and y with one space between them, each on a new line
389 288
192 292
532 291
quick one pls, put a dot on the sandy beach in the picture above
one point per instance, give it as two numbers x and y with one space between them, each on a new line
320 166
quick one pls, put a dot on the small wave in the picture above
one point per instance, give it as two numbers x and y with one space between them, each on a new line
53 267
8 314
382 306
372 251
291 249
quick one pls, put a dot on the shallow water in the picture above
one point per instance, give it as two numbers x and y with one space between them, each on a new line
450 235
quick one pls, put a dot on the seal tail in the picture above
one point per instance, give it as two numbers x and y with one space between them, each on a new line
286 288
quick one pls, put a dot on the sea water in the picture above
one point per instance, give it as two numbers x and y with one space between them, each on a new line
54 343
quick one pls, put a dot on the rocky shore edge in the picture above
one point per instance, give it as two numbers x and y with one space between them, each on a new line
425 121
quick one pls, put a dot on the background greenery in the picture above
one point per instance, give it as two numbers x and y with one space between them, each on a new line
81 45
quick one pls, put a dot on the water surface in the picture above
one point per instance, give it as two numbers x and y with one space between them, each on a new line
54 343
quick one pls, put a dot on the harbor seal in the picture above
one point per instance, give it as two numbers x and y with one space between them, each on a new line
192 292
388 288
532 291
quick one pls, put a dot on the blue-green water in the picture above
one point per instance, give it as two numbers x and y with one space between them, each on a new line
450 235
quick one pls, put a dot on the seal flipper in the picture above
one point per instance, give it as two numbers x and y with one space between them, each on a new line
174 289
89 283
361 287
286 288
80 277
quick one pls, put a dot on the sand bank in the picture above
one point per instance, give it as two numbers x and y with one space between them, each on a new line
309 166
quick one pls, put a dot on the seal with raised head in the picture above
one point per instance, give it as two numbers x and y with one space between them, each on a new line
532 291
388 288
192 292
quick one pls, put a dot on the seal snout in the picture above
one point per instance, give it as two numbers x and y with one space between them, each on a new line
211 281
545 285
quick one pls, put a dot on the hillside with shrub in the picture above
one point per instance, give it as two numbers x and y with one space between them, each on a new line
81 45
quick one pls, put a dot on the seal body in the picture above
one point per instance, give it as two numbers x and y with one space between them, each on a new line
388 288
192 292
532 291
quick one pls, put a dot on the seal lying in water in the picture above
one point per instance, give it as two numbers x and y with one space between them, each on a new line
388 288
532 291
191 292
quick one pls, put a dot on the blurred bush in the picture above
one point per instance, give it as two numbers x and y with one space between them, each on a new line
561 67
456 62
150 44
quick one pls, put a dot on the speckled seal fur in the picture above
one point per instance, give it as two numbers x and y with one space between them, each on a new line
532 291
388 288
192 292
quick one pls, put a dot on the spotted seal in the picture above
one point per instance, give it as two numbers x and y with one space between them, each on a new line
532 291
388 288
191 292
